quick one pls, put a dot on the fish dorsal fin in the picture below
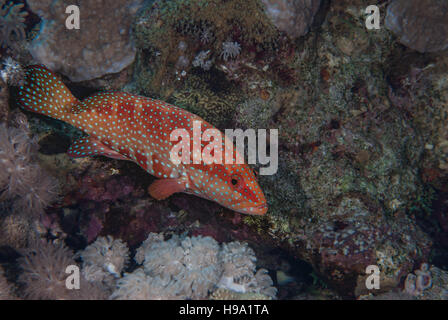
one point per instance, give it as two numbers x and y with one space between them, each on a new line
163 188
89 146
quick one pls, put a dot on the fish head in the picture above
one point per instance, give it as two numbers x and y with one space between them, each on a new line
235 187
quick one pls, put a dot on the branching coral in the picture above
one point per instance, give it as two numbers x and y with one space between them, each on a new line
24 186
12 23
44 274
191 268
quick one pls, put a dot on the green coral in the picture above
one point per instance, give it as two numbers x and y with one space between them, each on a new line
201 26
214 106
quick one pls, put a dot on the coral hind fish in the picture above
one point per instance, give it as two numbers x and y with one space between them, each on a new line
131 127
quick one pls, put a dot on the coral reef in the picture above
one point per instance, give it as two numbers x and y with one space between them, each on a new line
214 106
363 153
230 50
105 256
24 186
427 283
5 288
215 35
192 267
44 274
101 46
12 23
139 286
12 72
292 17
17 230
224 294
421 25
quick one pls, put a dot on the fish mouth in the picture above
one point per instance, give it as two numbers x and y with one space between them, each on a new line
255 210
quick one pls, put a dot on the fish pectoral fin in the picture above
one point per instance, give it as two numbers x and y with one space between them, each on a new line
85 147
163 188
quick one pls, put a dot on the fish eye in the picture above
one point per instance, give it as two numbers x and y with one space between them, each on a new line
234 179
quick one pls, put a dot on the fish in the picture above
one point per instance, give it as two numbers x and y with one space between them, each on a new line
126 126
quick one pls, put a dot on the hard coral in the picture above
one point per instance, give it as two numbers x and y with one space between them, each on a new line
292 17
421 25
101 46
211 29
140 286
12 23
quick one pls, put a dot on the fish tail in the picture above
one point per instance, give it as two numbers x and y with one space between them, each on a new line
45 93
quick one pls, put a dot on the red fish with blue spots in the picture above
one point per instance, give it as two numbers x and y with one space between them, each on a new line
131 127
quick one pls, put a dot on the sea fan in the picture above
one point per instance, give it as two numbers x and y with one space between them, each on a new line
12 23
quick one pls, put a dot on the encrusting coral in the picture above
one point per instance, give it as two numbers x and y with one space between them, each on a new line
192 268
24 186
293 17
419 24
101 46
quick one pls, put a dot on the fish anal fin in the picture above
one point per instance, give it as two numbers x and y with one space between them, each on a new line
89 146
163 188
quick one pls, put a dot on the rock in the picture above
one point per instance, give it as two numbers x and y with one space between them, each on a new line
292 17
101 46
421 25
